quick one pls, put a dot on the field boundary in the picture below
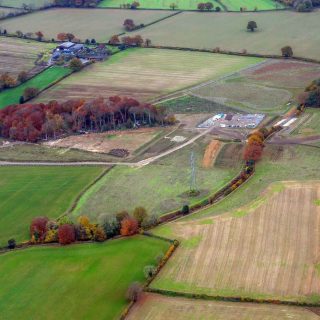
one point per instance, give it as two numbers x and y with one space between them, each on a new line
84 190
203 296
235 53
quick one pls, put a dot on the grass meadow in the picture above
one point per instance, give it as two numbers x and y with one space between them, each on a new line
156 4
27 192
40 81
83 23
86 281
160 187
227 31
155 72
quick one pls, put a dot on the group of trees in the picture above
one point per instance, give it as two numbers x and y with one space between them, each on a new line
31 122
64 231
134 5
311 96
122 223
129 41
77 3
207 6
62 36
301 5
7 81
255 145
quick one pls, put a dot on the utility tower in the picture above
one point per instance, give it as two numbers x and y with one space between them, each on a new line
193 182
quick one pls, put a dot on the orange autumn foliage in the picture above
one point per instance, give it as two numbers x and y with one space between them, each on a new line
129 227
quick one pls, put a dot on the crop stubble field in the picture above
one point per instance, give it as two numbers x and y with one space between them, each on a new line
84 281
228 32
27 192
83 23
145 74
18 55
159 307
269 248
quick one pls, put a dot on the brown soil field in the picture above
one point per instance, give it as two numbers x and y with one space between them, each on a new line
104 142
210 153
229 155
83 23
18 55
145 74
267 249
284 73
159 307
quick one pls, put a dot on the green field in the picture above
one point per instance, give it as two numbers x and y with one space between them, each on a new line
83 23
310 125
227 31
27 192
159 187
41 81
34 4
155 72
85 281
232 5
156 4
235 5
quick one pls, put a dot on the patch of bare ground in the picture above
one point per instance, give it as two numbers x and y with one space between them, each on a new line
191 121
105 142
159 307
229 155
267 249
210 153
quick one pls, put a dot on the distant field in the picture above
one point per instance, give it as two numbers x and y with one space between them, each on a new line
18 55
41 81
228 32
159 187
159 307
265 249
26 192
5 11
34 4
87 281
235 5
83 23
158 4
146 74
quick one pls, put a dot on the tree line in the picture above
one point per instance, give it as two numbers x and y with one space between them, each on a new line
34 121
311 96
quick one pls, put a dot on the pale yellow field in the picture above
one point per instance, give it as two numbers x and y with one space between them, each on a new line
18 55
268 249
145 74
159 307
